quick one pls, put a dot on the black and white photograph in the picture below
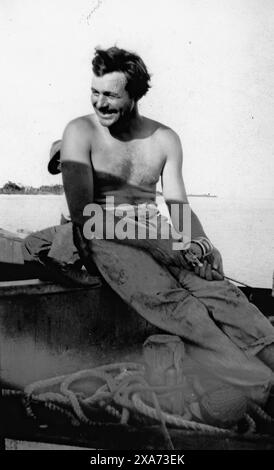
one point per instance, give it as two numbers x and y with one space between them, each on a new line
137 227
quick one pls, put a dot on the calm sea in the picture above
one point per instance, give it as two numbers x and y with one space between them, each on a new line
243 230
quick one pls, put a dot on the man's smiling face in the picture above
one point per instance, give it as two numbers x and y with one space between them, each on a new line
110 99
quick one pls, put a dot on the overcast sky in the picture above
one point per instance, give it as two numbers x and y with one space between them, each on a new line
213 82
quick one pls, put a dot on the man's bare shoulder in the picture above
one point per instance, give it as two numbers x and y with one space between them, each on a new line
167 137
161 130
77 139
82 125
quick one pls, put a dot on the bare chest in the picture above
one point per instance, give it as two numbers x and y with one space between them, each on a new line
136 162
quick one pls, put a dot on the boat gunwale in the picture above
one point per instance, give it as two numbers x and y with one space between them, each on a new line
31 287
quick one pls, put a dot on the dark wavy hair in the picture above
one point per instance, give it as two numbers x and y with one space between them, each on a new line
120 60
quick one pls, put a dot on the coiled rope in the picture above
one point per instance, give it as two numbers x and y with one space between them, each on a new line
119 395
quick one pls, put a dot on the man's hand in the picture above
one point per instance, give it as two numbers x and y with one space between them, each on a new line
212 268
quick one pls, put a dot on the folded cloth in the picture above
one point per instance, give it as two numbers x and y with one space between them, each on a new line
59 239
62 248
53 248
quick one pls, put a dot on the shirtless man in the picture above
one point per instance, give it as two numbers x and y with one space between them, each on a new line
118 149
118 141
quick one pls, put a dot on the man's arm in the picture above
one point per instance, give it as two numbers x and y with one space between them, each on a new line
78 181
173 185
76 168
174 193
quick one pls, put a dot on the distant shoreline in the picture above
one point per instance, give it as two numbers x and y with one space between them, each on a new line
11 189
16 188
30 193
202 195
59 192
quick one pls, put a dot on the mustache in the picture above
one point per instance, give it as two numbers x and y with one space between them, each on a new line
106 110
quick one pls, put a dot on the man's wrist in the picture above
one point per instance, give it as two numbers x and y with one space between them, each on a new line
204 244
197 250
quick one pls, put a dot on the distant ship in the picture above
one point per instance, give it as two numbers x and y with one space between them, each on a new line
202 195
